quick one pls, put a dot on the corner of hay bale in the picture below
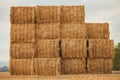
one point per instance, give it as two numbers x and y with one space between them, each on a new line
21 67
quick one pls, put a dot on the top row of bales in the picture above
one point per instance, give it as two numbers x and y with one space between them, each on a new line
47 14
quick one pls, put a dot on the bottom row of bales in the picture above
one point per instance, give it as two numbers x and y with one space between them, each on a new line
68 56
57 66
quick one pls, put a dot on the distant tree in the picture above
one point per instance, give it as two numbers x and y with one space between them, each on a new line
4 69
116 60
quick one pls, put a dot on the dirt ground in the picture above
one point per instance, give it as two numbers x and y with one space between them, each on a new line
6 76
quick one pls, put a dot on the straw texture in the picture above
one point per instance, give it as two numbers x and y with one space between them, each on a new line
100 66
22 33
48 31
74 48
47 48
97 30
73 31
48 14
41 35
101 48
72 14
21 67
22 15
73 66
47 66
22 50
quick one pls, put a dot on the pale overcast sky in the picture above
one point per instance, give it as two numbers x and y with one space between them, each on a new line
96 11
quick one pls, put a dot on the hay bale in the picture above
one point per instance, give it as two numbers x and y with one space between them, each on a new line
47 66
22 33
99 48
74 48
22 15
48 31
22 50
97 30
99 65
48 14
73 31
47 48
73 66
21 67
72 14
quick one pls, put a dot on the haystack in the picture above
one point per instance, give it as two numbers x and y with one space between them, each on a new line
22 50
72 14
73 66
21 67
47 48
99 48
48 14
48 31
47 66
74 48
99 65
22 33
97 30
22 15
73 31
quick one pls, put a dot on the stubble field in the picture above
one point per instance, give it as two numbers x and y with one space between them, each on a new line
114 76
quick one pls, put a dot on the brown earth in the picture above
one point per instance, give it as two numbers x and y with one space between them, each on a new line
6 76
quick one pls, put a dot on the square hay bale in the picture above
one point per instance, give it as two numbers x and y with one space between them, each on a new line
22 50
73 66
99 48
74 48
48 31
47 48
72 14
22 15
97 30
21 67
48 14
73 31
99 66
47 66
22 33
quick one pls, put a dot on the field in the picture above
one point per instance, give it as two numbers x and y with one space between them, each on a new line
6 76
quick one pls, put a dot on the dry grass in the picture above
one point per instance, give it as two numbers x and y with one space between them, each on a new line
74 48
21 67
48 14
22 15
99 66
99 48
48 31
73 31
22 50
22 33
72 14
73 66
97 30
47 66
6 76
47 48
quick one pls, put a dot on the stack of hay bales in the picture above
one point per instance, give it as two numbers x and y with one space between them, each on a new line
53 40
35 36
100 48
73 40
22 47
47 58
